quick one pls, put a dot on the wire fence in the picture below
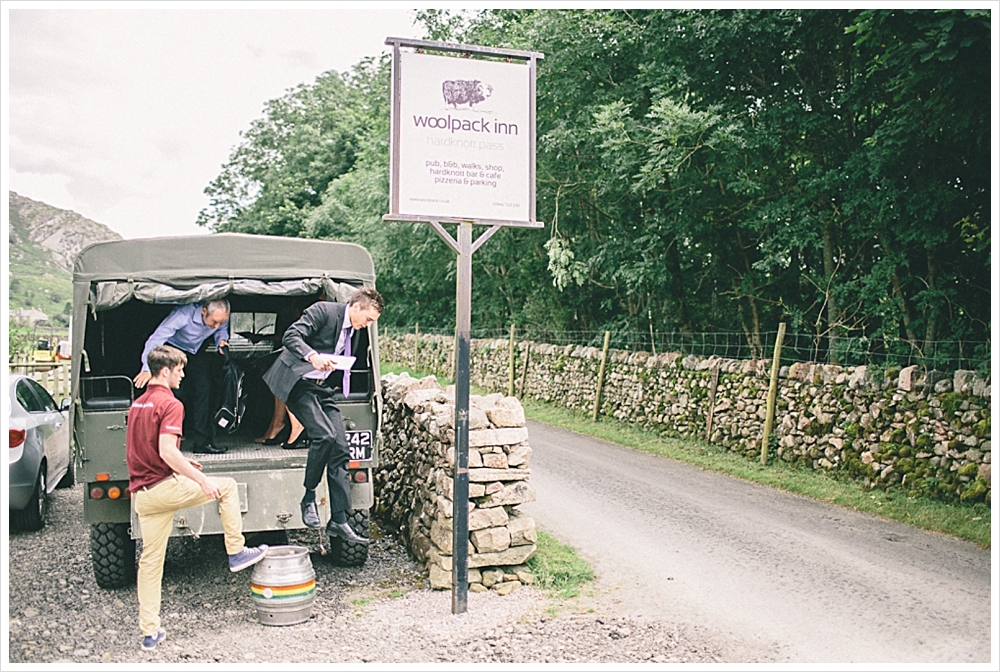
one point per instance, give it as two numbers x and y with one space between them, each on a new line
796 347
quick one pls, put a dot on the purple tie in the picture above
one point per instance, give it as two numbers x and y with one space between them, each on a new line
345 349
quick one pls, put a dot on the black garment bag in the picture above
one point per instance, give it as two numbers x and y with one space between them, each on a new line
234 397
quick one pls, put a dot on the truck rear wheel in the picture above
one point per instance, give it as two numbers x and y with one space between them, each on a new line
347 553
112 551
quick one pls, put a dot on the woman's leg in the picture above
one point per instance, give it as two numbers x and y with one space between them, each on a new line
296 427
277 421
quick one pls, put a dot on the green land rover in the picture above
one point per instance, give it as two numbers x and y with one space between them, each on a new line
121 292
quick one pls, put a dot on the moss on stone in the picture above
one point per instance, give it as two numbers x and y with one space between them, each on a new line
970 469
950 402
977 491
886 451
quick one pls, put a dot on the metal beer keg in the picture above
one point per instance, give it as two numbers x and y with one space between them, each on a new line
283 586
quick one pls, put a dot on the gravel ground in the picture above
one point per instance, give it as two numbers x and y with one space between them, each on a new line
382 612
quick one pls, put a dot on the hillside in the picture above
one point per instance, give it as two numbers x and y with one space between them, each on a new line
43 243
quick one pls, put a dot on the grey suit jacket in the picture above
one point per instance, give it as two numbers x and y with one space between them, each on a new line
317 330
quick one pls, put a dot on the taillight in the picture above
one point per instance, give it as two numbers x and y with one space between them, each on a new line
360 476
113 490
17 437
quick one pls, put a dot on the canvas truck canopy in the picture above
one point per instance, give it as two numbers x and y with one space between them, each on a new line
174 270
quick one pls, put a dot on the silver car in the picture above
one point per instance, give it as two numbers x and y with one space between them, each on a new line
39 455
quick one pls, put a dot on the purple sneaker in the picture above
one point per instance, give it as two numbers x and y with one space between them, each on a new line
149 642
247 557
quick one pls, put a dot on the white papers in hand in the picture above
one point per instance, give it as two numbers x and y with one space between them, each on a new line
343 362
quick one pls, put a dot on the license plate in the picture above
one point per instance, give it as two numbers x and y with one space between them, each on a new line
360 443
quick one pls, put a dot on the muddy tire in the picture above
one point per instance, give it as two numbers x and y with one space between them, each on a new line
346 553
112 551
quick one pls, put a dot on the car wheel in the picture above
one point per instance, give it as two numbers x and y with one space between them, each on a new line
32 516
347 553
69 478
112 552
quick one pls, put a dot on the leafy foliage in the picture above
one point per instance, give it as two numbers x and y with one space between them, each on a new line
20 340
697 170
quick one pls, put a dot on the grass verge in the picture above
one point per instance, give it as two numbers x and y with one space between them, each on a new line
557 567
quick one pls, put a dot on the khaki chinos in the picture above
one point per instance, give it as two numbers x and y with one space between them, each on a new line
155 506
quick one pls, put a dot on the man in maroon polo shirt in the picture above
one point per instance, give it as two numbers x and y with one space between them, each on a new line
163 481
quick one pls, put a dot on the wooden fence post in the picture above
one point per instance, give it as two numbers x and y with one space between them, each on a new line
416 344
510 364
524 373
55 377
712 388
600 375
772 394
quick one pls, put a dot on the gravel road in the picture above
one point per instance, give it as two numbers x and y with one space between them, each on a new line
380 613
766 574
692 566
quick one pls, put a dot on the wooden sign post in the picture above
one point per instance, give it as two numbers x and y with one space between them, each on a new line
462 152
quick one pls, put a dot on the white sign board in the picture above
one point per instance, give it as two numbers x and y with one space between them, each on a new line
465 138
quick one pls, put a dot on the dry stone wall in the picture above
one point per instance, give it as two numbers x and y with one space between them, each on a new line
924 431
415 487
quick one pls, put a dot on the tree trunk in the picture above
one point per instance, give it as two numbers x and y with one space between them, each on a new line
832 309
897 287
755 341
930 333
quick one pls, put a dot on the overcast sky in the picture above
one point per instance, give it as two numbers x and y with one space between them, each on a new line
125 115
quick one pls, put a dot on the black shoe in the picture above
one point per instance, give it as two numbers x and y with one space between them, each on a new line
301 441
280 437
310 515
344 531
210 449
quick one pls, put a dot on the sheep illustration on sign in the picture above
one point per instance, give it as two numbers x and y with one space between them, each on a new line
460 91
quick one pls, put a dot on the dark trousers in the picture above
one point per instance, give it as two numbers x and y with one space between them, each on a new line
196 394
313 405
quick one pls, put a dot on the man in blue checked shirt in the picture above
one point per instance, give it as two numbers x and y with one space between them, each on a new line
186 328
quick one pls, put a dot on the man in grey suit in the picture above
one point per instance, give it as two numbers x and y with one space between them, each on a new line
300 377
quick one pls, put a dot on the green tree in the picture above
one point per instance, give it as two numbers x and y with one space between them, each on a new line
927 157
696 171
285 161
19 340
715 168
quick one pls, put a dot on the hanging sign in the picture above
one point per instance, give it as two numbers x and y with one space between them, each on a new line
464 132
